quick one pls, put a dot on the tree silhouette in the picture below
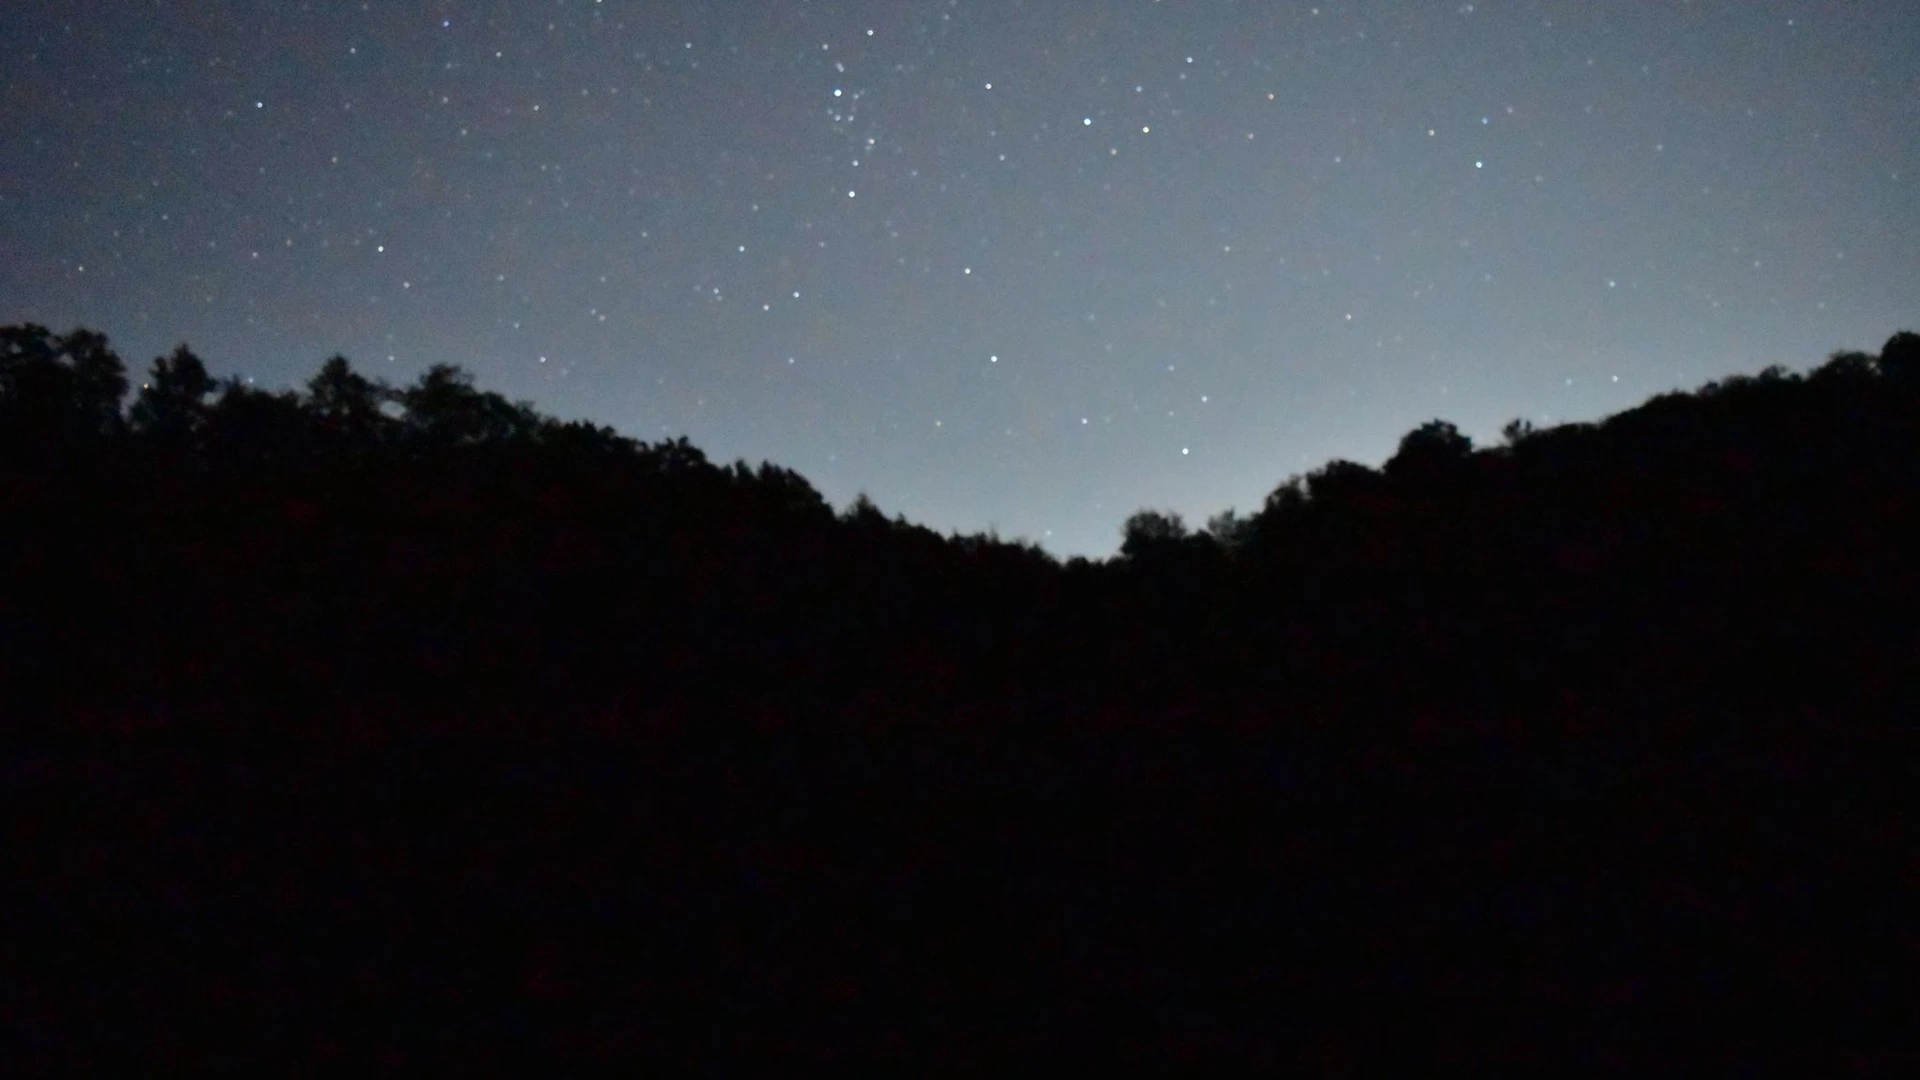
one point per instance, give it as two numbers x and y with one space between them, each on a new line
99 380
1288 498
255 430
1230 529
789 493
1341 483
1900 357
1429 453
345 403
59 387
580 440
172 403
862 515
443 408
1150 533
1517 431
677 457
1849 366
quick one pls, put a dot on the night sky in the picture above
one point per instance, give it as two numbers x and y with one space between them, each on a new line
1028 266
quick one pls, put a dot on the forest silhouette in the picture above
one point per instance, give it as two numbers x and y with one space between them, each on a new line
409 722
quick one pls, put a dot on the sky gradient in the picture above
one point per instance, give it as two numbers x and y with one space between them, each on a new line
1023 266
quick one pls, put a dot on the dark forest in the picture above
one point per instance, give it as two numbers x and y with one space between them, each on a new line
412 727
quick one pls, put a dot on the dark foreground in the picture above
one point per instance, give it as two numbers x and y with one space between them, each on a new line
407 727
417 904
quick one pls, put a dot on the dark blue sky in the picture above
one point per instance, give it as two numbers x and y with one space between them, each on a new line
1023 265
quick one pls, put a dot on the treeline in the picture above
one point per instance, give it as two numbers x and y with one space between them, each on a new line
431 550
408 727
208 552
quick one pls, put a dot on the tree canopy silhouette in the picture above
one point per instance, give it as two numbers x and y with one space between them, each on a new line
58 388
347 709
171 406
1429 453
373 539
346 403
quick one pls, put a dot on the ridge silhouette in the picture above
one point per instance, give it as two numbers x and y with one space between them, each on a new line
1579 733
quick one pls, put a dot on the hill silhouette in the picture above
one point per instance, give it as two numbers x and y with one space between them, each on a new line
409 722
